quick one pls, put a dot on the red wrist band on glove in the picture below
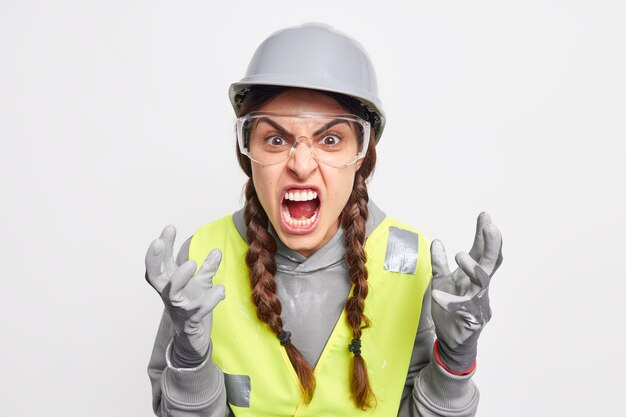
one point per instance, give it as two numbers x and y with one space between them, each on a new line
438 359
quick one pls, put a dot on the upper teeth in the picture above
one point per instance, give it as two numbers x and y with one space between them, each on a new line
300 195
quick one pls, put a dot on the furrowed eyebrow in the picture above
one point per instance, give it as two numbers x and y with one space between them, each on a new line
276 126
285 132
329 125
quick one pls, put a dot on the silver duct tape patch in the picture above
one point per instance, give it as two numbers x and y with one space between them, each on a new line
401 255
238 390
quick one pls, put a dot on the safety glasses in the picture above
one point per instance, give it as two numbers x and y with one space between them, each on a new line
271 138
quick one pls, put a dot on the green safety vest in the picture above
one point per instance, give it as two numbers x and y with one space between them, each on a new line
259 378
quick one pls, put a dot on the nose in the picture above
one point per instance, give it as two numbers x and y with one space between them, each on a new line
301 161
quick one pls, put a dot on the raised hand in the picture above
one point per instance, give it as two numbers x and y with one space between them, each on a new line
189 304
461 298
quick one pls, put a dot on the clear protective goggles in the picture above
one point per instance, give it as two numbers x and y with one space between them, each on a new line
334 140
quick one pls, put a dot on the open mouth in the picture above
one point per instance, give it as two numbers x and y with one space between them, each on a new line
300 210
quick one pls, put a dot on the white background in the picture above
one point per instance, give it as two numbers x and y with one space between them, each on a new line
115 121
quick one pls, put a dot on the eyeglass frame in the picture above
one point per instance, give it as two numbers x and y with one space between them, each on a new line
241 121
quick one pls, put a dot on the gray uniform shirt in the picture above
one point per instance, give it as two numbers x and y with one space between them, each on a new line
313 292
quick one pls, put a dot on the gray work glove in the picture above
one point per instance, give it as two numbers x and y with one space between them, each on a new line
189 304
461 298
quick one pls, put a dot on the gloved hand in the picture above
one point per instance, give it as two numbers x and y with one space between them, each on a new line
461 298
189 310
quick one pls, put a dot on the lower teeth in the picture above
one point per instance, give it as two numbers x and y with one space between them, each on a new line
298 222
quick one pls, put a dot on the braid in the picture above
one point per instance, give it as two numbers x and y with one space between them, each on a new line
353 221
262 267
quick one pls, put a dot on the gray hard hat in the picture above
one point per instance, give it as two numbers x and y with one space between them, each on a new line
314 56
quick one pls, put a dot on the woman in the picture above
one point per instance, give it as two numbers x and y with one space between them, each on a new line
329 301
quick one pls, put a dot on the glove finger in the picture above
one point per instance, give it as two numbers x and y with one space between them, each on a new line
168 236
479 242
206 303
499 260
439 259
447 301
493 247
154 260
181 277
209 267
473 270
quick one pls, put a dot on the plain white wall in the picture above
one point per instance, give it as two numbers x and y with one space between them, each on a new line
114 121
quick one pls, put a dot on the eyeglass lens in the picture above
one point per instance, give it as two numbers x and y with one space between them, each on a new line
334 141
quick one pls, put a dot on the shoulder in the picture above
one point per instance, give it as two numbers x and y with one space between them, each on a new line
393 229
220 233
208 230
389 232
378 222
223 224
223 228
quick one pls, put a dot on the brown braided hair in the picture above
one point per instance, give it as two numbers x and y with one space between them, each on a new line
262 248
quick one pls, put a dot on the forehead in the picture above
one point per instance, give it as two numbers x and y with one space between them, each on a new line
303 101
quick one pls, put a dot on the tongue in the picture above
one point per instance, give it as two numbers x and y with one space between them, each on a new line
302 209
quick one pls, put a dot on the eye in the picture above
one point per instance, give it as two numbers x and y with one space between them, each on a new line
275 141
330 140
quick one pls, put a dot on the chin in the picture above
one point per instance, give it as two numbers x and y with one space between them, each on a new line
302 243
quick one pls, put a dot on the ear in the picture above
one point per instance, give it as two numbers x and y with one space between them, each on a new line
359 163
